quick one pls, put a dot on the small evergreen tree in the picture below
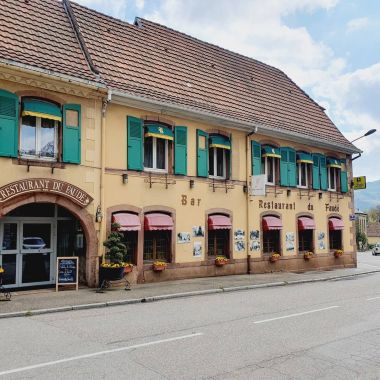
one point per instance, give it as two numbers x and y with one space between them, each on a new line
116 249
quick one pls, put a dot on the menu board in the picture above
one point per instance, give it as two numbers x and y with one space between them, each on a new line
67 271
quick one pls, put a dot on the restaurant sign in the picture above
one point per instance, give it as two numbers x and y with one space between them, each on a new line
44 185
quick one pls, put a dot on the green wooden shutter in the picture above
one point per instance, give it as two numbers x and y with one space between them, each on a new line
323 172
316 180
292 168
180 150
9 115
135 143
284 167
343 179
71 151
229 160
255 158
202 153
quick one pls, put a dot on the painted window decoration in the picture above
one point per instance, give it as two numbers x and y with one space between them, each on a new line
219 156
304 170
39 129
239 240
270 164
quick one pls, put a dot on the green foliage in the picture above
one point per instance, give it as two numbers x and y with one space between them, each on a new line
116 249
361 239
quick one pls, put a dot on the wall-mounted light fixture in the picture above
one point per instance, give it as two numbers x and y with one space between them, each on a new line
98 215
288 192
191 183
320 195
125 178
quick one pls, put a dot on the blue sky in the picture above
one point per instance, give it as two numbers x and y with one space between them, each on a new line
328 47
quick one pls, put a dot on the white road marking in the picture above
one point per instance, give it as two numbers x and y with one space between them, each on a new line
373 298
86 356
297 314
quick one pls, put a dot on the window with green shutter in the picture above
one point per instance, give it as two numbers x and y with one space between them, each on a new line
343 178
135 143
180 150
316 179
323 172
255 158
292 168
202 153
9 116
71 150
288 167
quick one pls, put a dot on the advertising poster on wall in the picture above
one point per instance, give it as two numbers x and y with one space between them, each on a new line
183 237
197 250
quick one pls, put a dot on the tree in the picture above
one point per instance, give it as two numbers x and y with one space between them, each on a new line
361 240
116 248
374 214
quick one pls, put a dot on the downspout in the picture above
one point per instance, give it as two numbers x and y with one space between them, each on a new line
103 219
248 176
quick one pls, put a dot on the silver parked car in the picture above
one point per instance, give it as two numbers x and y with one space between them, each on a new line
33 243
376 249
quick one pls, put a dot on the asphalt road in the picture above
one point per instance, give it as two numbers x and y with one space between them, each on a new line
327 330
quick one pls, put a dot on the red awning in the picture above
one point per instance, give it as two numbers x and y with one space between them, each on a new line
271 223
305 223
157 222
127 221
336 224
219 222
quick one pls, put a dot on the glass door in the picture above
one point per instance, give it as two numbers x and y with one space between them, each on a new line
9 248
37 253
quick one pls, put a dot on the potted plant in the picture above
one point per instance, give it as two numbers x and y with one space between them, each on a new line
274 257
220 261
308 255
338 253
159 266
114 268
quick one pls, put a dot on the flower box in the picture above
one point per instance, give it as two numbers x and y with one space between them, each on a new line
128 268
338 253
221 261
159 266
308 255
274 257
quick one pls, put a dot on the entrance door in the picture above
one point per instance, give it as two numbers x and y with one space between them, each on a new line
28 251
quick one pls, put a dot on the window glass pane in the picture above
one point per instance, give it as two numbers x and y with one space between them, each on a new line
47 138
220 162
35 267
9 237
36 236
160 145
9 266
148 152
28 135
303 174
72 119
332 178
270 166
211 161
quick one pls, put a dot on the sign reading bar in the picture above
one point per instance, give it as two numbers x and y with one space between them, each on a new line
46 185
67 271
359 183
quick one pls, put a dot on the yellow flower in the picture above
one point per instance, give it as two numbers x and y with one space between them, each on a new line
2 270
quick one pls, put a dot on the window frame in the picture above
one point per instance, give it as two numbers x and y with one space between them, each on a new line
38 140
338 240
215 159
154 169
269 240
299 176
275 165
336 172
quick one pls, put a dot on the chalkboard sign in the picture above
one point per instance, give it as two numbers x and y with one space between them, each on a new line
67 271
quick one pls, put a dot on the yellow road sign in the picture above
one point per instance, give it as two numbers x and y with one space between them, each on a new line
359 183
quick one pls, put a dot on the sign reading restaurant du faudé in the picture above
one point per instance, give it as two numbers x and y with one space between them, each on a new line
55 186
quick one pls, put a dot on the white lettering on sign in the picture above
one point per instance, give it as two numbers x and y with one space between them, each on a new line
26 186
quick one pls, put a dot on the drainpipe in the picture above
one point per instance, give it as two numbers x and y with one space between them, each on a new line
248 176
103 220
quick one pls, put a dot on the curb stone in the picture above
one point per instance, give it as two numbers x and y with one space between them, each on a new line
29 313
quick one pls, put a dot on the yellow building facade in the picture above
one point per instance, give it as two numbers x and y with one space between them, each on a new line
185 185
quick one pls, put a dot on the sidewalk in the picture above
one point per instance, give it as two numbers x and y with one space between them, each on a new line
28 303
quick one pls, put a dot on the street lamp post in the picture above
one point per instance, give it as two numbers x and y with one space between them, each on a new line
370 132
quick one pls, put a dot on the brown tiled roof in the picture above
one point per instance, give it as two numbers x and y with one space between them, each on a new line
38 33
373 230
153 61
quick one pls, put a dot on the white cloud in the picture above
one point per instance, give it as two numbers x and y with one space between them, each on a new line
357 24
115 8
